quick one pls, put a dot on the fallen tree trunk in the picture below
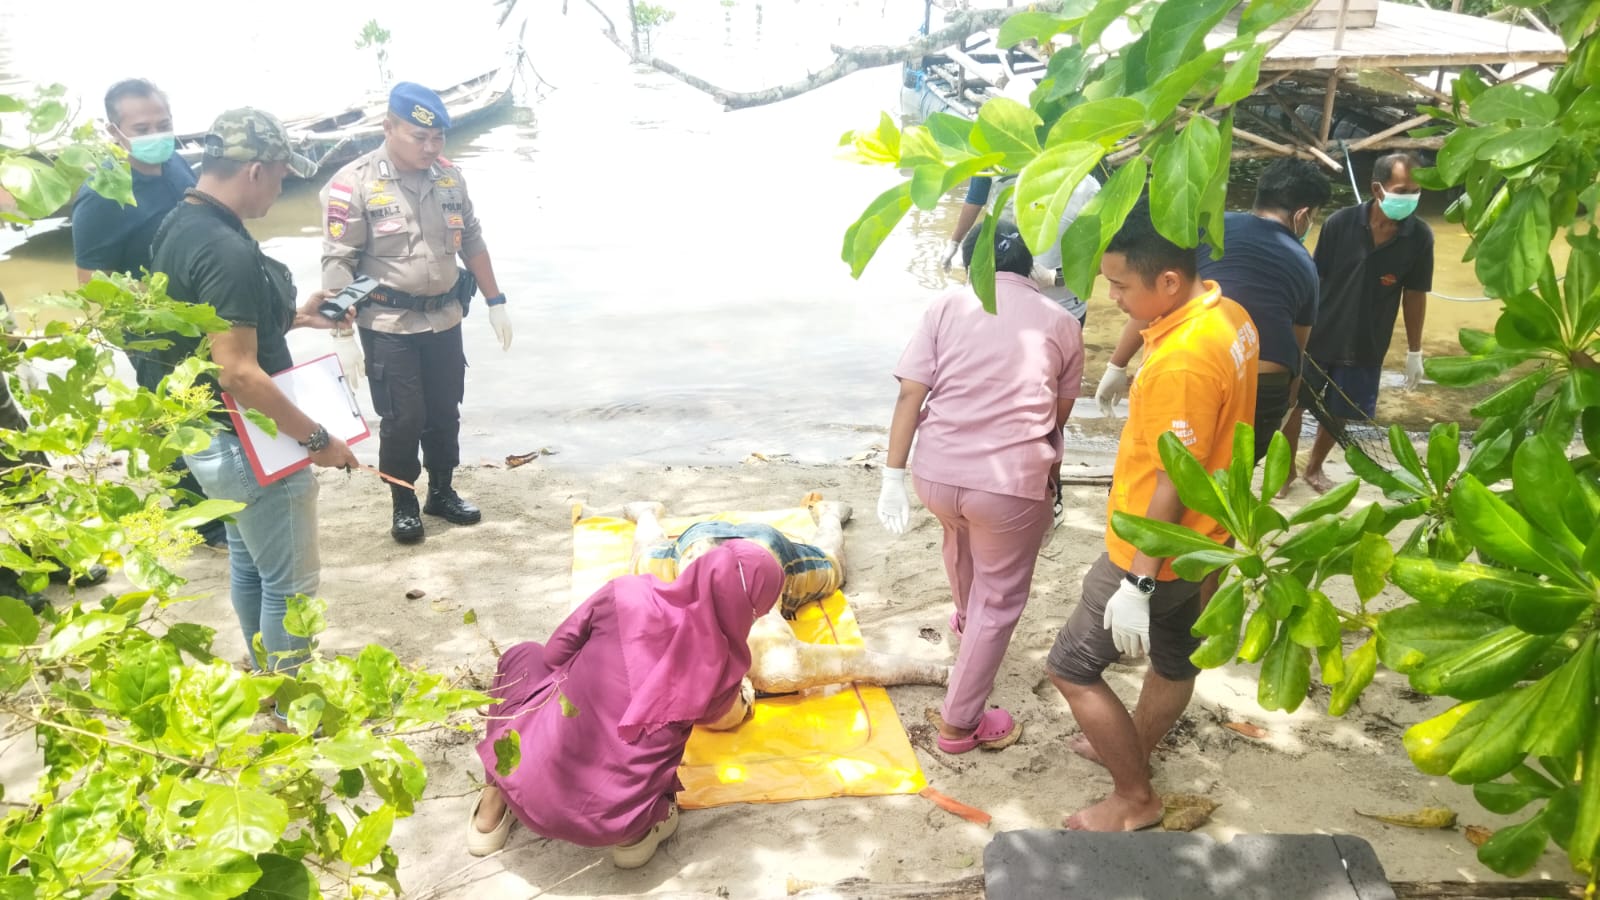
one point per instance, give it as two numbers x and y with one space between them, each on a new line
1467 890
971 888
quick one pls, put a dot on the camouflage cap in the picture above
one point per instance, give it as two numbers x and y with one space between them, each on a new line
254 135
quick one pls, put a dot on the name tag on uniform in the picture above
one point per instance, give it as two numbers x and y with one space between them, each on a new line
389 226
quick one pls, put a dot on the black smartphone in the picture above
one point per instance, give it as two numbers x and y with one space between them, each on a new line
334 308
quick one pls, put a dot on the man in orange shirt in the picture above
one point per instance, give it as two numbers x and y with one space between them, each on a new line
1198 381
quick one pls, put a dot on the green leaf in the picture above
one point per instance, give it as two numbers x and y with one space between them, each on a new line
196 514
1519 147
1543 480
569 710
949 131
1313 542
237 819
1370 565
1284 594
507 753
1515 849
1502 798
1045 187
1240 82
1100 17
1315 624
1260 15
1487 457
1258 634
1010 128
1566 711
1330 660
143 672
283 878
80 832
370 836
1484 667
304 616
1494 527
1195 486
1086 238
1103 122
980 272
39 190
262 421
1275 468
351 749
200 874
1444 453
1514 397
1178 31
82 634
1411 635
1182 171
1435 744
16 887
1160 539
1585 842
1497 748
918 148
868 232
470 617
1516 247
1466 371
18 625
1460 151
1033 26
1523 103
1224 613
1468 585
1358 672
1285 675
1196 566
1331 503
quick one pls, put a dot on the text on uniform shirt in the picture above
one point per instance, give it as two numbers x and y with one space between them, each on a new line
1244 346
1180 427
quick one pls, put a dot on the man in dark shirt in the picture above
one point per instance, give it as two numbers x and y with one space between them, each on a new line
1373 259
110 237
209 257
1265 269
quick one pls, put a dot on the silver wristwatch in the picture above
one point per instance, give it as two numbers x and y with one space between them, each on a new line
317 440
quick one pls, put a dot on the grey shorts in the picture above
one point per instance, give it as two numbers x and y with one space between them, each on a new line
1083 649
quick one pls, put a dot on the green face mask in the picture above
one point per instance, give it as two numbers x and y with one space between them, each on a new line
1399 206
152 149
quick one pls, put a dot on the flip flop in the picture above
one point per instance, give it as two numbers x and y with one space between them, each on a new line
997 730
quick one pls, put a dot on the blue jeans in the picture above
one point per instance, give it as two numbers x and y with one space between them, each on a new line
272 544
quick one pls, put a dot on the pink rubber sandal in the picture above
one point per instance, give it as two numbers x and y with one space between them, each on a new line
997 730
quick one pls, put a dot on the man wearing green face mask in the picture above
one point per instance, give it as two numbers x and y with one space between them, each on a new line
110 237
1374 260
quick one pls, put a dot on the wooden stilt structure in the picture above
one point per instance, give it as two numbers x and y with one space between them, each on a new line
1323 92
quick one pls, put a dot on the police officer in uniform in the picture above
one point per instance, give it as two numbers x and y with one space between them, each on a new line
401 215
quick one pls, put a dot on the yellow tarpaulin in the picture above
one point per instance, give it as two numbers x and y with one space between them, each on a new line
847 743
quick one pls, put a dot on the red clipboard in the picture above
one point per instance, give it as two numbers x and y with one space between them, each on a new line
321 391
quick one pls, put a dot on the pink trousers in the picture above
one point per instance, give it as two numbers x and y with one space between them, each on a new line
991 542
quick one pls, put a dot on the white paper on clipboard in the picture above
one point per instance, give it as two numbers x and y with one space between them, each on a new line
319 389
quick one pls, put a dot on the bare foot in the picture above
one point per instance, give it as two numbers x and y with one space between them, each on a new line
1081 746
821 509
1318 482
1284 491
1117 813
632 511
491 808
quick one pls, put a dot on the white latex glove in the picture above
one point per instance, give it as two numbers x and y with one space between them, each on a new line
1113 387
1128 619
894 506
31 377
501 322
349 353
1413 369
951 248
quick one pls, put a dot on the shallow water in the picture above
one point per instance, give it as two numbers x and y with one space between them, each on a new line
673 269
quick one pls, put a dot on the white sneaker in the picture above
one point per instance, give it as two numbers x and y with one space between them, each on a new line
636 854
483 843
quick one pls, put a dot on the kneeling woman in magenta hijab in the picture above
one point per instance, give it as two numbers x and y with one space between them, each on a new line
643 661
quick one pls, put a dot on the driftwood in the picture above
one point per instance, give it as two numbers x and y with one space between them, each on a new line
971 888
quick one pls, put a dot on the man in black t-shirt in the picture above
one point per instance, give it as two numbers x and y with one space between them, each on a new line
210 258
1265 269
1374 260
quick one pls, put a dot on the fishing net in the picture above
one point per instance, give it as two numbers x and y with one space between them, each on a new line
1361 432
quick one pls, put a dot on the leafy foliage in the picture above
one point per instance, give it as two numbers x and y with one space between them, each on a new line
1156 106
1497 555
158 776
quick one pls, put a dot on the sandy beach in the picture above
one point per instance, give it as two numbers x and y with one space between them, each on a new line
1309 774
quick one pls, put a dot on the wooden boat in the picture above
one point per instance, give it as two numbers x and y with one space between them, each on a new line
334 139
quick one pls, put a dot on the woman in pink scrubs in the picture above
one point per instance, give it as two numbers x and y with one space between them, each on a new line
602 711
985 396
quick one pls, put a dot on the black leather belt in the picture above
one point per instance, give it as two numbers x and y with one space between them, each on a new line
388 296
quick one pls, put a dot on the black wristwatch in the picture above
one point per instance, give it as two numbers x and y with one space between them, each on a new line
317 440
1144 583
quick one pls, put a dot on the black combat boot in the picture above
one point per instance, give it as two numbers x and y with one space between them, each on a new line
407 519
444 502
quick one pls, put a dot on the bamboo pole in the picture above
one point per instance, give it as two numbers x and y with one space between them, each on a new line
1389 132
1327 107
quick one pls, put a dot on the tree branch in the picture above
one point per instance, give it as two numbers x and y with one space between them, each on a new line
962 25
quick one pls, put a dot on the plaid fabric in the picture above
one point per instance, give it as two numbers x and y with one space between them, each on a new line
809 574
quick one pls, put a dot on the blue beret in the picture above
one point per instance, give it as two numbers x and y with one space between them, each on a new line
418 105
